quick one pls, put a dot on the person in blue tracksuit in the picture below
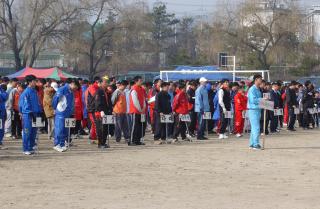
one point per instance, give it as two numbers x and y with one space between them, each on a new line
30 109
254 98
63 103
201 106
3 99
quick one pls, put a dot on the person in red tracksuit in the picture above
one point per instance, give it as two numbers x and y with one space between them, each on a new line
90 100
78 111
152 93
180 107
240 102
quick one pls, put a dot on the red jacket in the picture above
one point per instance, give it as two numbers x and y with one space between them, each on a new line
137 100
240 102
78 104
180 103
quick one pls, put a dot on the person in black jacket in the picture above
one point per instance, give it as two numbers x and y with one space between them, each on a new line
307 102
292 103
274 96
162 107
191 93
102 108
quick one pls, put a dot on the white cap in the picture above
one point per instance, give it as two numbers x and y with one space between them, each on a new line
203 79
55 86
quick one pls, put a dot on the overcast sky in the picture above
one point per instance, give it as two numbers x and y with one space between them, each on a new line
201 7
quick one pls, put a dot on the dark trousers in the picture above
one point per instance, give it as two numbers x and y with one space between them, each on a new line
306 118
160 128
76 130
136 131
193 123
16 125
121 127
292 118
273 122
102 131
201 125
180 127
224 123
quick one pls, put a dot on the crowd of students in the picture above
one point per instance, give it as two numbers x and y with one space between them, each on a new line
195 108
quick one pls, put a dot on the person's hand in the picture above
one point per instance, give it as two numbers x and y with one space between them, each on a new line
224 110
294 106
102 114
161 114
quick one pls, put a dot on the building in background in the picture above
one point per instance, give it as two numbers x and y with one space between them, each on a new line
313 24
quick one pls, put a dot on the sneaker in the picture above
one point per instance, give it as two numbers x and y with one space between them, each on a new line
158 142
64 148
58 148
27 153
221 136
238 135
257 147
7 135
225 136
174 141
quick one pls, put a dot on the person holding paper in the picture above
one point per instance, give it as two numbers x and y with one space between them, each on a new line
119 103
225 106
151 100
202 106
102 108
292 103
162 107
275 97
137 108
63 104
30 108
254 98
307 103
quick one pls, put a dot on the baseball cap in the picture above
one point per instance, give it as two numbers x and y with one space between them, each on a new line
203 79
54 85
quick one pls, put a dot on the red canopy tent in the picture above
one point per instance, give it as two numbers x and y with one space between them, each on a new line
54 73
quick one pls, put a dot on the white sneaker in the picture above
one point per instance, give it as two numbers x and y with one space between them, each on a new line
238 135
58 148
64 148
7 135
221 136
225 136
27 153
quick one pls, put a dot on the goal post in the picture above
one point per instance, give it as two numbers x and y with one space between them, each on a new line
195 74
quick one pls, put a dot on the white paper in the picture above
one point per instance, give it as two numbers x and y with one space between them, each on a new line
166 118
70 122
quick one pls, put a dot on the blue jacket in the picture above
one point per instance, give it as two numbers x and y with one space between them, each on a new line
202 101
3 99
254 97
63 101
216 114
84 105
29 102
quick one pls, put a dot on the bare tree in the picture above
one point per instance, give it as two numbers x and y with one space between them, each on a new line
27 25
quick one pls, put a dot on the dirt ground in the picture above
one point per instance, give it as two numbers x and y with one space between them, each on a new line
213 174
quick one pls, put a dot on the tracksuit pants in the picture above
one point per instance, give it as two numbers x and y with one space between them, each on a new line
180 127
121 127
60 132
224 123
102 131
93 133
136 131
16 124
292 118
254 117
29 133
193 123
238 122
